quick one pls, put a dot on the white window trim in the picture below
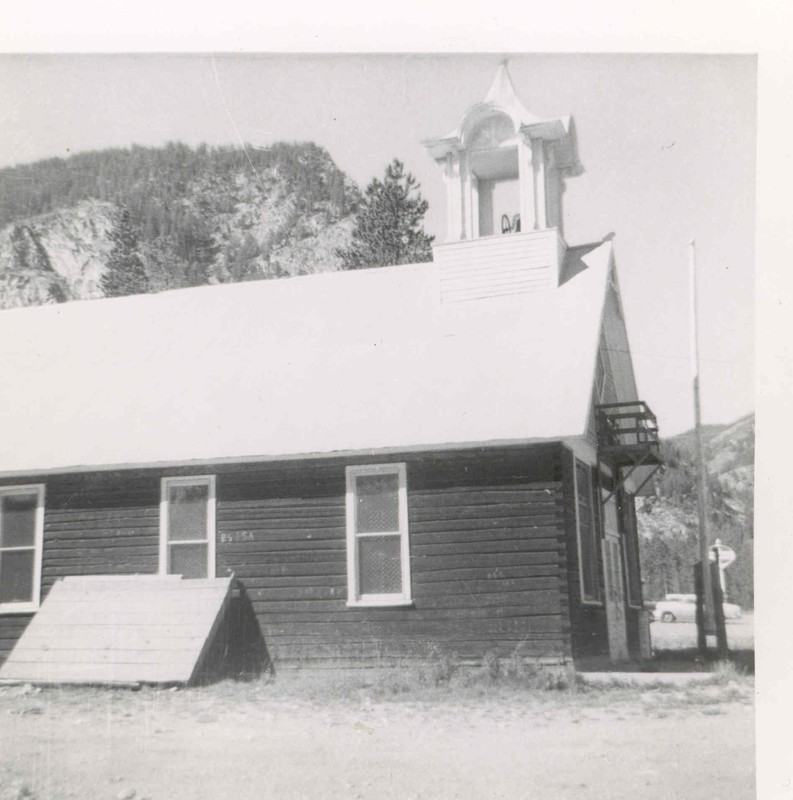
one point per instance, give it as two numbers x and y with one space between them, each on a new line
354 598
593 510
38 545
187 480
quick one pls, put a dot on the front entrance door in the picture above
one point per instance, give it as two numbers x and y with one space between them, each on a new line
615 587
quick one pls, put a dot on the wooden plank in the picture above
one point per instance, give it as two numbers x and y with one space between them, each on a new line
377 651
483 560
263 565
509 537
486 511
483 525
276 547
525 601
295 559
183 657
260 528
435 628
133 583
282 504
504 547
88 614
417 614
96 673
452 575
81 522
53 638
486 585
52 633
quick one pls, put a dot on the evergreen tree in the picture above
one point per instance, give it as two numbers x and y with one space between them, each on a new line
200 252
124 273
388 225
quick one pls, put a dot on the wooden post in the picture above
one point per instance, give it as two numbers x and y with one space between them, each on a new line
718 609
702 642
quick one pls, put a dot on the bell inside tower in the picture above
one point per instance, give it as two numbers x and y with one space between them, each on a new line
493 161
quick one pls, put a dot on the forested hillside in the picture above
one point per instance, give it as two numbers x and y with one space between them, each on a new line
668 522
190 216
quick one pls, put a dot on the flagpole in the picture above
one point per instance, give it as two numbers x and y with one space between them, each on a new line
707 587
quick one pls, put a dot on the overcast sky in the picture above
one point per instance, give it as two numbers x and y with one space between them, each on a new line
667 144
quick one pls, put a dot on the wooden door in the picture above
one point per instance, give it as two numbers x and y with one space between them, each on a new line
615 586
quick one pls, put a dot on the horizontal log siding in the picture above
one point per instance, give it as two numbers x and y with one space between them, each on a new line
589 632
485 532
11 628
487 543
94 524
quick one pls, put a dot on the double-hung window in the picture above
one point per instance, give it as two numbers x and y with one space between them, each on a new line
378 559
21 536
187 527
587 531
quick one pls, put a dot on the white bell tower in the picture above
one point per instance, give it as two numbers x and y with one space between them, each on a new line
502 161
504 170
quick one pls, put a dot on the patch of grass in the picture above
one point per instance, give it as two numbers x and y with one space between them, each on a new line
689 660
434 675
725 672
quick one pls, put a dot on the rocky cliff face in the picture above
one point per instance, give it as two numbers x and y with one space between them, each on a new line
668 520
200 216
55 257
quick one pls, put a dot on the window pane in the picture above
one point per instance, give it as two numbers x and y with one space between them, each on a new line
187 512
588 533
18 525
16 576
378 503
380 564
189 560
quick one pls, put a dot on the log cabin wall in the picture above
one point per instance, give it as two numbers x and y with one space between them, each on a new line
485 533
487 544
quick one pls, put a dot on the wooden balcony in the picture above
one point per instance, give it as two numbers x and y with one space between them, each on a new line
627 434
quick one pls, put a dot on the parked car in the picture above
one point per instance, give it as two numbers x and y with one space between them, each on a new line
683 608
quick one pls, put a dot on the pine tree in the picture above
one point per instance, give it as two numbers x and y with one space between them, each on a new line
201 250
124 273
388 225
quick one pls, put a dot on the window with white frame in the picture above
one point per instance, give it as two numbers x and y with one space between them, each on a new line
21 536
378 558
586 527
187 527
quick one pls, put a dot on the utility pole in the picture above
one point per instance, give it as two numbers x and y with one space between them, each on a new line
704 553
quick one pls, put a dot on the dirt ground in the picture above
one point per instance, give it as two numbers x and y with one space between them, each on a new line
299 738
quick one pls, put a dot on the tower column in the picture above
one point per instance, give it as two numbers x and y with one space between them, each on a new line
538 164
470 211
454 198
526 185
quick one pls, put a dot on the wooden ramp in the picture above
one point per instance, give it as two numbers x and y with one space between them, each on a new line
120 629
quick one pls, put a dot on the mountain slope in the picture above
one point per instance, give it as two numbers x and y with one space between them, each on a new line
668 520
203 215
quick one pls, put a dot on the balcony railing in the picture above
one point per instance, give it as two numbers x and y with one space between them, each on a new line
627 433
